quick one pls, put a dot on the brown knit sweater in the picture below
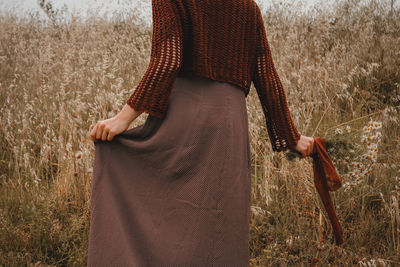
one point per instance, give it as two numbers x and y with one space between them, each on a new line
224 40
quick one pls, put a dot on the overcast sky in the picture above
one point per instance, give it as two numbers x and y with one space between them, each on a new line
87 7
84 7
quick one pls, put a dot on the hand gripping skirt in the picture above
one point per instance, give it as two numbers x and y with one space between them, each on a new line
176 191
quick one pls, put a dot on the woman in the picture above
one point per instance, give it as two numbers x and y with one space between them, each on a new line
176 190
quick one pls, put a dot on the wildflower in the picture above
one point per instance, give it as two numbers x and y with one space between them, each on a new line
348 128
355 164
372 147
371 123
363 167
377 125
338 131
355 173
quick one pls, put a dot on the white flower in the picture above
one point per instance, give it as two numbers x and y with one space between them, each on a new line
377 125
355 173
372 147
338 131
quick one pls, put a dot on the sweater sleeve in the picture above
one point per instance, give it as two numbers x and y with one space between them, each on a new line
281 129
152 93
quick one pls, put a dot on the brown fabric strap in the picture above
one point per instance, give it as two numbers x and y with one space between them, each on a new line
326 179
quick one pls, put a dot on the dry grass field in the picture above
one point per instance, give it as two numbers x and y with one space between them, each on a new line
340 69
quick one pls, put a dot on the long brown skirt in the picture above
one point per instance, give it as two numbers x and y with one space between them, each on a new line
176 191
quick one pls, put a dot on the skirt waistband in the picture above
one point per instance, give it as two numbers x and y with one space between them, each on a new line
196 82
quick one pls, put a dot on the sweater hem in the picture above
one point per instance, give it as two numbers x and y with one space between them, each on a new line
246 89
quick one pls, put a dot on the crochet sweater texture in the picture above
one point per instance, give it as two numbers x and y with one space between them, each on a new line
224 40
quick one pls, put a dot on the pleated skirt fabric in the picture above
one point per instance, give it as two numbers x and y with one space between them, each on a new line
176 191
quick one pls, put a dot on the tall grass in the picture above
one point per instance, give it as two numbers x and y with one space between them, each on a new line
339 67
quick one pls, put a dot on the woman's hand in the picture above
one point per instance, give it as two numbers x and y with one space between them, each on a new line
107 129
305 146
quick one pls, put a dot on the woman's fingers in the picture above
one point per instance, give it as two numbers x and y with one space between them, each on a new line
312 146
309 147
104 135
100 129
93 133
304 152
106 130
110 135
306 146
